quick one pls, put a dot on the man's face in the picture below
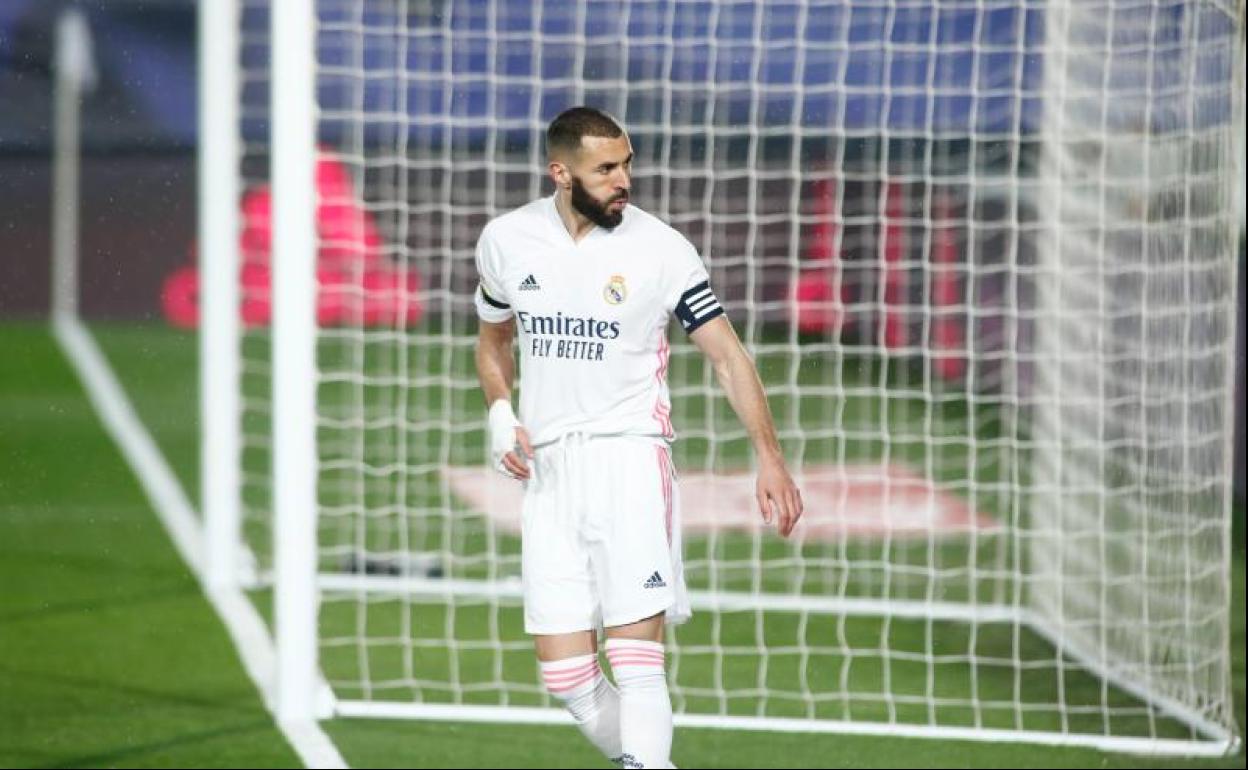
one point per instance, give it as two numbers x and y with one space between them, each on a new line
601 179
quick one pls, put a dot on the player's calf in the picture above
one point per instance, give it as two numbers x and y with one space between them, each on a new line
594 704
645 706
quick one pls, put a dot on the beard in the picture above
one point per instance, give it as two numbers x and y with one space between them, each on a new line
594 210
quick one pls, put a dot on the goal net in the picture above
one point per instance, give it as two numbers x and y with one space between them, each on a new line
984 255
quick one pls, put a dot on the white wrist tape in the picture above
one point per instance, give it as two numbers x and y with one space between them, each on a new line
503 424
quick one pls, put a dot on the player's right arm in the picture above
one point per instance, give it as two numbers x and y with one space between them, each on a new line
496 365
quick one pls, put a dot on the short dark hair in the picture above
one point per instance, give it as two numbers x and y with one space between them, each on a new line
566 131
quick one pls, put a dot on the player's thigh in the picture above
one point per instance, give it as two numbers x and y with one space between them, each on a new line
563 646
630 547
647 630
558 583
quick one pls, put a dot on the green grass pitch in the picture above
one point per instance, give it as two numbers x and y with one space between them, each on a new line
109 655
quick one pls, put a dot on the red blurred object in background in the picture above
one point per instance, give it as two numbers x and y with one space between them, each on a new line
948 316
357 284
818 302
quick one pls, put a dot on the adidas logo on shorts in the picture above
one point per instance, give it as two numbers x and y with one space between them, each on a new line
530 284
654 581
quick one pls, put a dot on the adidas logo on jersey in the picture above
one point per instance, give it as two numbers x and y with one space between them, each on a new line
530 284
654 581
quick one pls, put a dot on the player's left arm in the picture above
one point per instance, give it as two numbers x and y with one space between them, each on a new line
776 493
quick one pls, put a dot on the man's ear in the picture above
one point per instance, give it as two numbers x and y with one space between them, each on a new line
559 173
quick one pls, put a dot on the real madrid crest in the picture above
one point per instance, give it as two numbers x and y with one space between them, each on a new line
615 291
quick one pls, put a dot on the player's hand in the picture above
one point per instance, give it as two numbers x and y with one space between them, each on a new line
515 462
509 442
779 499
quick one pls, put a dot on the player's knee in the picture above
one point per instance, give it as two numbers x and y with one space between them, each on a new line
575 681
637 664
594 704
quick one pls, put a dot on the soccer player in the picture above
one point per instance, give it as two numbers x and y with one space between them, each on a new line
589 281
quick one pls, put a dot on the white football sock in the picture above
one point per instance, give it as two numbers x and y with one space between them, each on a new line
645 707
592 701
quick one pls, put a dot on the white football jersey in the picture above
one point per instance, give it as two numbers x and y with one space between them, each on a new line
591 316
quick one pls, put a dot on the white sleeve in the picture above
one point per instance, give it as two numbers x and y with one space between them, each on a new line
689 294
490 298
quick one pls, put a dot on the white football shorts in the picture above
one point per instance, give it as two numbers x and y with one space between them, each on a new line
601 535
